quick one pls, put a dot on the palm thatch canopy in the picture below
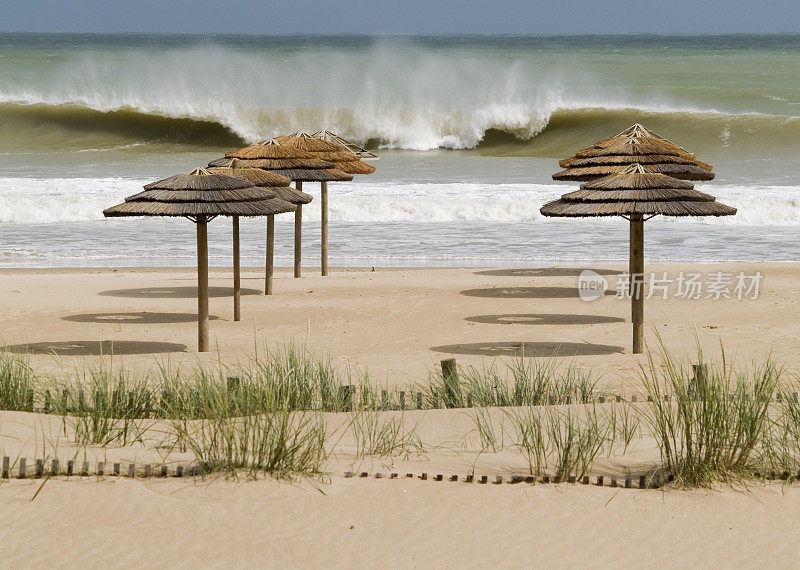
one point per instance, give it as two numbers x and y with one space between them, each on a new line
201 193
360 151
272 149
259 177
201 196
637 195
263 178
637 145
344 159
294 163
292 195
273 163
636 191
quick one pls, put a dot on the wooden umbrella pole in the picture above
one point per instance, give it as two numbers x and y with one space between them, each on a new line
324 208
298 232
270 253
237 273
202 284
636 273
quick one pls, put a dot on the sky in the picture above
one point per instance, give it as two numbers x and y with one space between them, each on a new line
402 16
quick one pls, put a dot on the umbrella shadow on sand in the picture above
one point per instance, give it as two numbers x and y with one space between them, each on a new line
526 292
545 272
142 318
174 293
515 348
95 348
543 319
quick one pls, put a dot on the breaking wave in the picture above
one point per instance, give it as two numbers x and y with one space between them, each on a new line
384 95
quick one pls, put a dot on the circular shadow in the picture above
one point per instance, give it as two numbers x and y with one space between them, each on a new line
544 319
174 292
545 272
95 347
526 292
143 318
530 349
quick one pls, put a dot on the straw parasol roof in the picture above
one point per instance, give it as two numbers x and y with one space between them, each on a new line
636 191
263 178
201 196
340 155
291 162
637 145
636 195
201 193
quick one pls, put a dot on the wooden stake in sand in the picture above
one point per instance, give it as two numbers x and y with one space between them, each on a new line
298 234
270 254
237 273
636 274
452 391
324 227
202 284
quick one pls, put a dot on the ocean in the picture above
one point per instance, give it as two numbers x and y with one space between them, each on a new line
469 130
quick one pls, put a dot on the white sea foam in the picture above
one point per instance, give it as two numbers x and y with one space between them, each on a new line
52 200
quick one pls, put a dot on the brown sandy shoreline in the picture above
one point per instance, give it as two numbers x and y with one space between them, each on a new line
398 323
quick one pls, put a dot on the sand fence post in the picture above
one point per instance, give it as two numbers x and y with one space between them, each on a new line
202 284
346 398
298 233
452 389
6 467
636 275
270 267
699 374
324 227
237 273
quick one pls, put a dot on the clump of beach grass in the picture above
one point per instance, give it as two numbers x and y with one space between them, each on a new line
522 382
279 443
711 426
564 442
490 436
103 405
381 435
17 383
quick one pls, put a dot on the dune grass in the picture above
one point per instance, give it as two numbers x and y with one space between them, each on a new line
713 426
719 424
280 443
521 382
17 383
379 435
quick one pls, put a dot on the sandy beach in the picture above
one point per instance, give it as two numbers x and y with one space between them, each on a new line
395 323
402 524
468 387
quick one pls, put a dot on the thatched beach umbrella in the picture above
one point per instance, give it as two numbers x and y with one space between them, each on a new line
344 160
637 196
634 145
278 184
201 196
294 163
